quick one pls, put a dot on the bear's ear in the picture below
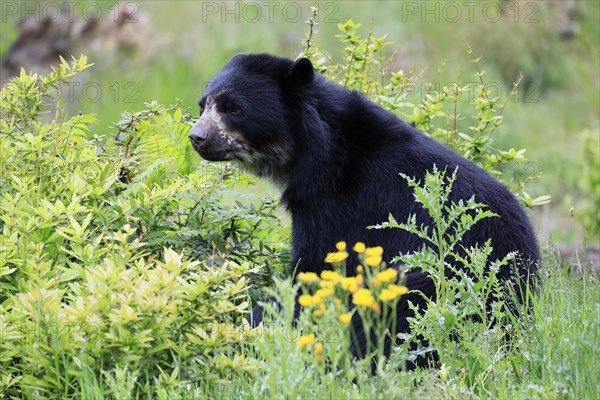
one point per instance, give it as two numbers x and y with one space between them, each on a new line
301 71
238 56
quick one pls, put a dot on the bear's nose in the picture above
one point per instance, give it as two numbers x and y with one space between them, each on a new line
198 134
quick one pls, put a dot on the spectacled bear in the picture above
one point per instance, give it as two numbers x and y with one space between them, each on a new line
337 158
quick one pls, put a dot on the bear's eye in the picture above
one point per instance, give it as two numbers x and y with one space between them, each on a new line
234 109
202 104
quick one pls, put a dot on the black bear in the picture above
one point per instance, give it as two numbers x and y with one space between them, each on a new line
337 157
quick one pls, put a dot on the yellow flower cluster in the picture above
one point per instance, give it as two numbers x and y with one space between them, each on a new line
345 318
309 340
363 298
373 256
319 352
340 255
352 284
385 276
326 289
399 290
369 288
331 276
308 277
387 295
306 340
392 292
306 300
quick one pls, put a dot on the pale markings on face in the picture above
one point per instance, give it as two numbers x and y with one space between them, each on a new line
261 164
231 137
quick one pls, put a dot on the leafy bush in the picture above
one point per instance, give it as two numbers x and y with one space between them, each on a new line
99 282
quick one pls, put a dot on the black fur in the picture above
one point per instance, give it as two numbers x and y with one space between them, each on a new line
340 164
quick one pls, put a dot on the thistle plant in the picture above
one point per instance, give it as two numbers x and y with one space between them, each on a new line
468 291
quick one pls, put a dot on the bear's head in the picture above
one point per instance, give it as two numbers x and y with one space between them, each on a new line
247 112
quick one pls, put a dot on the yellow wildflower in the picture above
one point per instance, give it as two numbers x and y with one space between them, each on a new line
360 269
327 284
341 246
375 308
318 298
345 318
363 298
323 293
319 347
350 284
359 247
306 340
308 277
374 251
319 311
386 276
373 261
331 276
336 257
399 290
387 295
360 279
306 300
319 352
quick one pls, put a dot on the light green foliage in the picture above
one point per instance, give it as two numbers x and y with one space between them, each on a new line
100 294
450 222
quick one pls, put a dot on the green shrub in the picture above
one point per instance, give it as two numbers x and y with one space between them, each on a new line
98 281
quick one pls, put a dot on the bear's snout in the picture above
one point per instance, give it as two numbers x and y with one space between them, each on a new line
211 142
198 134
